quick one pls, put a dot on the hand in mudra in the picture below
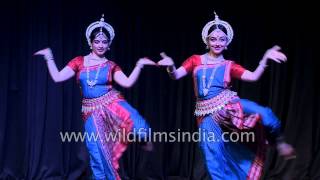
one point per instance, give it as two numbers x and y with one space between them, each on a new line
274 54
145 61
166 60
46 53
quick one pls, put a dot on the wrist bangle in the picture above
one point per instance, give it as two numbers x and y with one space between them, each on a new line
49 58
263 65
172 70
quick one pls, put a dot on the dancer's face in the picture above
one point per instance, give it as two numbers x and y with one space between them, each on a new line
217 41
100 45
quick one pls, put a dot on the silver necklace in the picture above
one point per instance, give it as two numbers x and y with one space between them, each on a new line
92 83
205 88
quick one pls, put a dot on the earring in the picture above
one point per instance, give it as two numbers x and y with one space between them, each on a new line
226 48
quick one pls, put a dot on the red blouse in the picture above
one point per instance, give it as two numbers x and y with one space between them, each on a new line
236 70
76 64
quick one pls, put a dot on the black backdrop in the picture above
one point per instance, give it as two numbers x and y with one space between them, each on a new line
33 109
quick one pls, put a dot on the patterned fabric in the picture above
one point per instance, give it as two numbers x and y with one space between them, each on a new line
248 156
210 106
110 121
232 116
107 116
220 111
226 159
89 105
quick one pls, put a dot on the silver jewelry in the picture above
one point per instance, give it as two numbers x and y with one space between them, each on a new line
49 56
171 70
263 65
100 24
92 83
205 88
93 58
217 21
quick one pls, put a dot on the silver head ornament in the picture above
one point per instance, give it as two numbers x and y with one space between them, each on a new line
217 21
100 24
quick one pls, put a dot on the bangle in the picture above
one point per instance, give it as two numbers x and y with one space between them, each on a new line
263 65
172 70
49 58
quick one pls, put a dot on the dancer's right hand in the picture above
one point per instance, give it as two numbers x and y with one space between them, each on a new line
166 60
46 53
145 61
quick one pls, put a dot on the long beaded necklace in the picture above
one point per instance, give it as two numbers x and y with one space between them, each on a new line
92 83
205 89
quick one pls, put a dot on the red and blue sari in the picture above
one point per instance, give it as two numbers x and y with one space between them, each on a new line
107 116
220 110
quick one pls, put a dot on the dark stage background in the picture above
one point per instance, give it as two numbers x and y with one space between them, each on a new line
33 109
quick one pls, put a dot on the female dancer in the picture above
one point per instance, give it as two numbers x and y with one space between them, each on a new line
220 110
104 110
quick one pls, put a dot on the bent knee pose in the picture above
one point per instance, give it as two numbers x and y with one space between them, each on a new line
104 110
219 110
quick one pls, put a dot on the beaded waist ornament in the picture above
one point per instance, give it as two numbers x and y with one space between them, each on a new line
89 105
213 105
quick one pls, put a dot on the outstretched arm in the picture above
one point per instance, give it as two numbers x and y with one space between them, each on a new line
173 72
176 73
128 82
273 54
57 76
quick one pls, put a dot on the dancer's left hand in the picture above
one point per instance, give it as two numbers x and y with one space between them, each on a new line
46 53
275 55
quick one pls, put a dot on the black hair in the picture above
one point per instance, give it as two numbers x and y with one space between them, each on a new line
96 31
217 26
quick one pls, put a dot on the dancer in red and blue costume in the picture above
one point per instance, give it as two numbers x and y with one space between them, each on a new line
104 110
220 110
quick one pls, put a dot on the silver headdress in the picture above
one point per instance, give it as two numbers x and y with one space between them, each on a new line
217 21
100 24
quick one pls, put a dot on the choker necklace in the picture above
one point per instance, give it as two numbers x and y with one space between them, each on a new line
212 59
91 57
